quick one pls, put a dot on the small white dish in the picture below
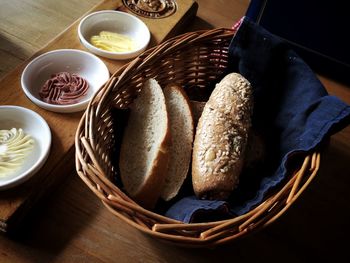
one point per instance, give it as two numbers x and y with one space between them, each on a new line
84 64
117 22
35 126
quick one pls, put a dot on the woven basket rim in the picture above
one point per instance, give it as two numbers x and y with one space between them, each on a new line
160 226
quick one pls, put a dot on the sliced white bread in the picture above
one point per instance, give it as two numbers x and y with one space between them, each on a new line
182 134
144 152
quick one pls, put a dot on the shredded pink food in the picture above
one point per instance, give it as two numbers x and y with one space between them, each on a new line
64 88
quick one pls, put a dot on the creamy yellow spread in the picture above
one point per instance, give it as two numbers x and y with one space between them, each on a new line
113 42
15 146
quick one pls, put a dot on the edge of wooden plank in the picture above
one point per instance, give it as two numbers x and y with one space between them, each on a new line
55 174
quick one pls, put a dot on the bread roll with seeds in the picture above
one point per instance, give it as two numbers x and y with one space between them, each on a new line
221 138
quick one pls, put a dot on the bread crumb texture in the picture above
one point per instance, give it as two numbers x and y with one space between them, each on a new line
182 133
144 135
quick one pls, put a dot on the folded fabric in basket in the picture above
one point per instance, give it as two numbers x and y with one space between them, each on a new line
292 110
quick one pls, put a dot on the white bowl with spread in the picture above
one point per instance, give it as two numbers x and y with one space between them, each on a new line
25 141
115 22
77 70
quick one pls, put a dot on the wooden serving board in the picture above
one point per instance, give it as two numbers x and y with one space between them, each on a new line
16 202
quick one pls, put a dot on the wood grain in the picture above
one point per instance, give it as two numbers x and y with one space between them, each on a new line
72 225
14 203
46 18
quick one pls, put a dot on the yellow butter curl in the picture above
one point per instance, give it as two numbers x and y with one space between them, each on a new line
113 42
15 146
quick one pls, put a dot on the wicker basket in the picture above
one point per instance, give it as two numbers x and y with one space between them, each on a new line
193 60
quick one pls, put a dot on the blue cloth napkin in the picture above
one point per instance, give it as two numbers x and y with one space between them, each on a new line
292 110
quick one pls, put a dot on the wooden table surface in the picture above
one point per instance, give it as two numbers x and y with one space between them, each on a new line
71 224
14 203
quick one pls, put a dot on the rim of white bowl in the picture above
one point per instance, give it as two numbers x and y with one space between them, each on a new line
21 178
87 43
67 108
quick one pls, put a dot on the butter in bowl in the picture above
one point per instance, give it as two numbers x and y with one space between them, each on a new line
114 34
25 142
63 80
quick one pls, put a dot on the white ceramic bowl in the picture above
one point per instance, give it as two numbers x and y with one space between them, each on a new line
82 63
35 126
117 22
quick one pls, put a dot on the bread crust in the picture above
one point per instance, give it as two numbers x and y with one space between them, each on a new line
179 163
148 191
221 138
